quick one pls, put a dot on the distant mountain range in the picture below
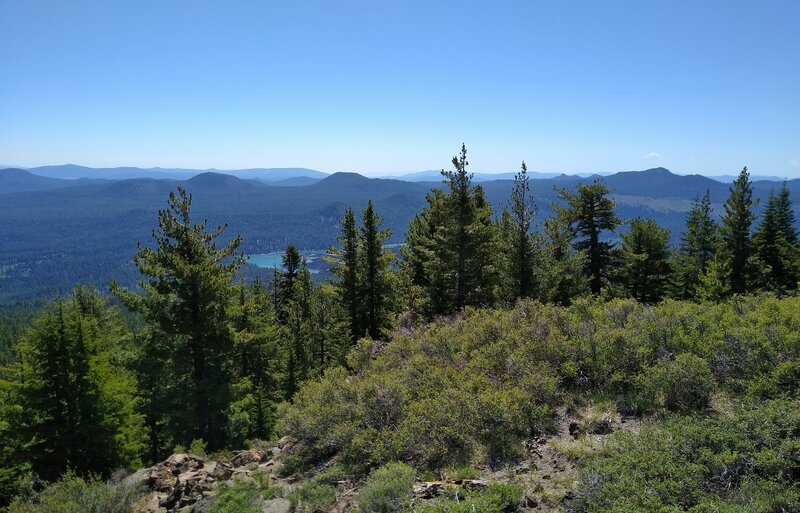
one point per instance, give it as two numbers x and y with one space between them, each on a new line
294 176
71 171
58 231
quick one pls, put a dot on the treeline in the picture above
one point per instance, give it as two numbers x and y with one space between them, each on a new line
207 358
458 254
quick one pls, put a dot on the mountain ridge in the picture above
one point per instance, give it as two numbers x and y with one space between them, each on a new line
68 231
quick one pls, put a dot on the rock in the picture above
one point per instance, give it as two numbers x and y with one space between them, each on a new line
346 503
219 471
161 479
279 505
267 468
171 500
429 490
147 504
203 505
183 462
138 478
286 443
523 468
602 426
575 429
243 458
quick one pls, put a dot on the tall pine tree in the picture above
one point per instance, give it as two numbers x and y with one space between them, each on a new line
284 286
74 401
375 269
645 260
561 271
344 265
187 289
699 244
777 257
452 245
589 212
736 224
255 365
519 244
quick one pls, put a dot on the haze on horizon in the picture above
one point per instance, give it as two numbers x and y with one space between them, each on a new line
386 89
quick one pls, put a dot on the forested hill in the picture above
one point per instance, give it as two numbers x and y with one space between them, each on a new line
55 232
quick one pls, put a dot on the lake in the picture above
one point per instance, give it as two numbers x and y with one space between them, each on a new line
269 260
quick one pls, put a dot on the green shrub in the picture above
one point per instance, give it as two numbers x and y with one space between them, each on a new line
238 496
312 496
198 448
73 494
784 380
465 472
748 462
495 498
684 384
481 383
388 489
244 495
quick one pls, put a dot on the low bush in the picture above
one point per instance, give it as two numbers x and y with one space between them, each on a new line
684 384
783 381
312 496
495 498
747 462
237 496
244 495
73 494
388 489
478 384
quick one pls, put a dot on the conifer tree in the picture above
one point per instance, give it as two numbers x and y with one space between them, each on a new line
519 241
256 365
296 332
786 217
777 257
375 263
292 263
736 224
329 334
699 243
714 284
344 265
187 292
74 402
645 260
452 245
423 271
561 271
589 212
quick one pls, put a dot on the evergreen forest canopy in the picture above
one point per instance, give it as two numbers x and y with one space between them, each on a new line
478 335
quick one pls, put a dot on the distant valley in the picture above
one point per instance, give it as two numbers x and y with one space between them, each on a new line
63 224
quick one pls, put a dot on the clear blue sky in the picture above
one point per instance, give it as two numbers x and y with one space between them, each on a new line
384 87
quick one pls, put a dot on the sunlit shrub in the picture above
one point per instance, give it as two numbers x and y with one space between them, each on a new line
388 489
73 494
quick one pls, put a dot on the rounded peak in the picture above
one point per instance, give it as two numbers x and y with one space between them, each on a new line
343 177
658 171
210 178
15 171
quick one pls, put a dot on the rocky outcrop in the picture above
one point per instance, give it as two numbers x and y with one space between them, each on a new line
430 489
185 483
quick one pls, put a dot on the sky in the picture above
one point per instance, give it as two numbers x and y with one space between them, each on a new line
388 87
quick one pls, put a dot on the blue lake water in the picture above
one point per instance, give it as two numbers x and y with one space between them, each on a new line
313 258
270 260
